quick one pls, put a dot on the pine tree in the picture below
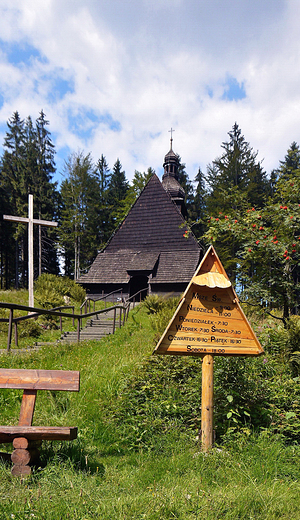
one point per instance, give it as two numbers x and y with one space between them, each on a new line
266 241
13 162
7 245
118 185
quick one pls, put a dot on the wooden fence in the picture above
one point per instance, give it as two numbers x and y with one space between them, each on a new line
35 312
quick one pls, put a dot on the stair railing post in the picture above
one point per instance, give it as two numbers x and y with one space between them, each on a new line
78 330
73 316
16 333
10 322
120 317
114 322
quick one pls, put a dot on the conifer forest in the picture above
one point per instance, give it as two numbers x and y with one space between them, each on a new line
252 217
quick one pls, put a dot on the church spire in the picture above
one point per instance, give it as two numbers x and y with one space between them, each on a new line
171 160
170 177
171 140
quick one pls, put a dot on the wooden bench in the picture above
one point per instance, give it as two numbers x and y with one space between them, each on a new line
26 438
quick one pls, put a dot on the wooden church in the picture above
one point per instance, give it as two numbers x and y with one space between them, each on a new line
149 252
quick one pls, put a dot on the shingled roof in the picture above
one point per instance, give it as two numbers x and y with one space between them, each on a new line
149 240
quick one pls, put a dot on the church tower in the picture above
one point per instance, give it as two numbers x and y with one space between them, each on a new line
170 179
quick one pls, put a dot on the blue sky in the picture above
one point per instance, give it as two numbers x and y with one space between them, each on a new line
114 76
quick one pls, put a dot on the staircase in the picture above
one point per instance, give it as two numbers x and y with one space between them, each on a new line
95 328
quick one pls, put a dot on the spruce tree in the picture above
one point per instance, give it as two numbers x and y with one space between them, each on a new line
117 191
103 175
46 195
14 188
198 209
26 167
187 185
236 169
235 179
291 162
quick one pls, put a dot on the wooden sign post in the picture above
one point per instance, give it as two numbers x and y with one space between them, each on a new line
208 322
30 221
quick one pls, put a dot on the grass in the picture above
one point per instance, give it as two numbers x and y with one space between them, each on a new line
99 477
47 330
257 482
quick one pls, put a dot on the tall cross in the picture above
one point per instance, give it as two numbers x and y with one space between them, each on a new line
30 221
171 136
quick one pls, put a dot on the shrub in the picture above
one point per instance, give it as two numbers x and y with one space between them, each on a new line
153 303
29 329
50 291
160 397
161 310
163 395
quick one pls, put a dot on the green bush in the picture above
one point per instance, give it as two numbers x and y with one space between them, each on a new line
29 329
242 394
161 397
50 291
251 394
293 343
153 303
161 310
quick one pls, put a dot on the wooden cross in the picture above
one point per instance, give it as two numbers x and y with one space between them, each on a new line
30 221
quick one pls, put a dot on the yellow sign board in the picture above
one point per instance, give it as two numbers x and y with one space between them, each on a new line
209 318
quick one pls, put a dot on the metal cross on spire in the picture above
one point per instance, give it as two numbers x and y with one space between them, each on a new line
171 136
30 221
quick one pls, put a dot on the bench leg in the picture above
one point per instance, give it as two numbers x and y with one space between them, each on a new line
25 455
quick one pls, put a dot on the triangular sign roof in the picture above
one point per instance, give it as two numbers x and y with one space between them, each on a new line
209 318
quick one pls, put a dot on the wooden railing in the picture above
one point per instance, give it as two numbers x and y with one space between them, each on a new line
137 297
35 312
94 299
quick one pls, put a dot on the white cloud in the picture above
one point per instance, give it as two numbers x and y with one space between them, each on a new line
148 66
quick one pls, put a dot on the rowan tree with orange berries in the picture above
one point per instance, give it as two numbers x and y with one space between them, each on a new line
267 256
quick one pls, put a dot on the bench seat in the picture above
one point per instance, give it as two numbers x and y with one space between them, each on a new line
36 433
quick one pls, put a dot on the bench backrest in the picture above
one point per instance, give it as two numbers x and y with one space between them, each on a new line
33 380
40 379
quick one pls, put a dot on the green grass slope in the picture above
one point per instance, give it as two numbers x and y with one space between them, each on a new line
137 454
